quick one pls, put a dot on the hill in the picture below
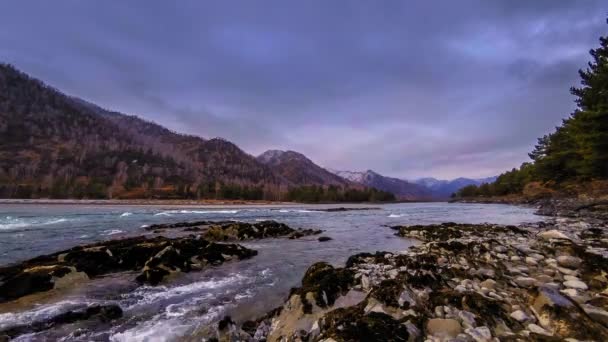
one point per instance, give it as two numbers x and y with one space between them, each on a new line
57 146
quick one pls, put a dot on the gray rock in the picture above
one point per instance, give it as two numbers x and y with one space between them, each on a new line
526 282
538 330
576 284
519 316
480 334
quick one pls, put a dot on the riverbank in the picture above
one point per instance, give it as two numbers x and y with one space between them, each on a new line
580 206
186 300
540 282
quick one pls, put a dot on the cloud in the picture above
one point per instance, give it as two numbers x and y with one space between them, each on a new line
408 89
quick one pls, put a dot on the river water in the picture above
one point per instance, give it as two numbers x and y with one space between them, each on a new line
193 301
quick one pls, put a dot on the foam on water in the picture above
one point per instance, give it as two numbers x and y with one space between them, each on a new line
40 313
126 214
173 212
12 223
112 232
395 215
150 294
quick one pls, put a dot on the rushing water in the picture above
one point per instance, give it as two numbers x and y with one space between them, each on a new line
192 301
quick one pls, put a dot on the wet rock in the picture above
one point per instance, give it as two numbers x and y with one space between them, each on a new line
324 238
155 257
325 283
443 328
351 324
103 313
465 283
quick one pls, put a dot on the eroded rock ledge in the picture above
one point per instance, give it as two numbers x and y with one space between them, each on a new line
153 257
539 282
236 230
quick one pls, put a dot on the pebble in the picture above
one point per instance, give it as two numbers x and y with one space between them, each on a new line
480 334
441 327
519 316
553 234
525 281
488 284
531 261
568 261
576 284
538 330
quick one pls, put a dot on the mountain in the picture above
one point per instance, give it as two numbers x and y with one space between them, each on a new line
445 188
298 169
53 145
402 189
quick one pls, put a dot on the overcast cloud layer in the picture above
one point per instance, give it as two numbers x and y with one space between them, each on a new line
437 88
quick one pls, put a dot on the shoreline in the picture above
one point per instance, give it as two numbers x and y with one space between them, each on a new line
542 282
185 203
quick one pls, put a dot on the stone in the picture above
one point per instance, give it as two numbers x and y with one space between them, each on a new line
480 334
576 284
526 282
488 284
568 261
324 238
553 234
531 261
519 316
538 330
443 327
596 314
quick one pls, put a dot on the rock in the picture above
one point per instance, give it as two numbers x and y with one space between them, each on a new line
526 282
569 261
561 317
488 283
443 328
324 238
531 261
553 234
519 316
103 313
538 330
480 334
154 257
576 284
596 314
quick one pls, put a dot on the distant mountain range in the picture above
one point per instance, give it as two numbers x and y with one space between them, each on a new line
56 146
420 189
445 188
402 189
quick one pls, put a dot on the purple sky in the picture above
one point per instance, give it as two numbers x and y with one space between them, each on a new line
409 89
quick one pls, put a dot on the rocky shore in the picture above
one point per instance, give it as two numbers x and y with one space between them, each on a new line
236 230
535 282
152 259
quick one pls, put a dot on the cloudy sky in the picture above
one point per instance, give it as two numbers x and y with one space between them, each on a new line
407 88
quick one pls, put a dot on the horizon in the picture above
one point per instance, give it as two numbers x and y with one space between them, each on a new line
391 82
